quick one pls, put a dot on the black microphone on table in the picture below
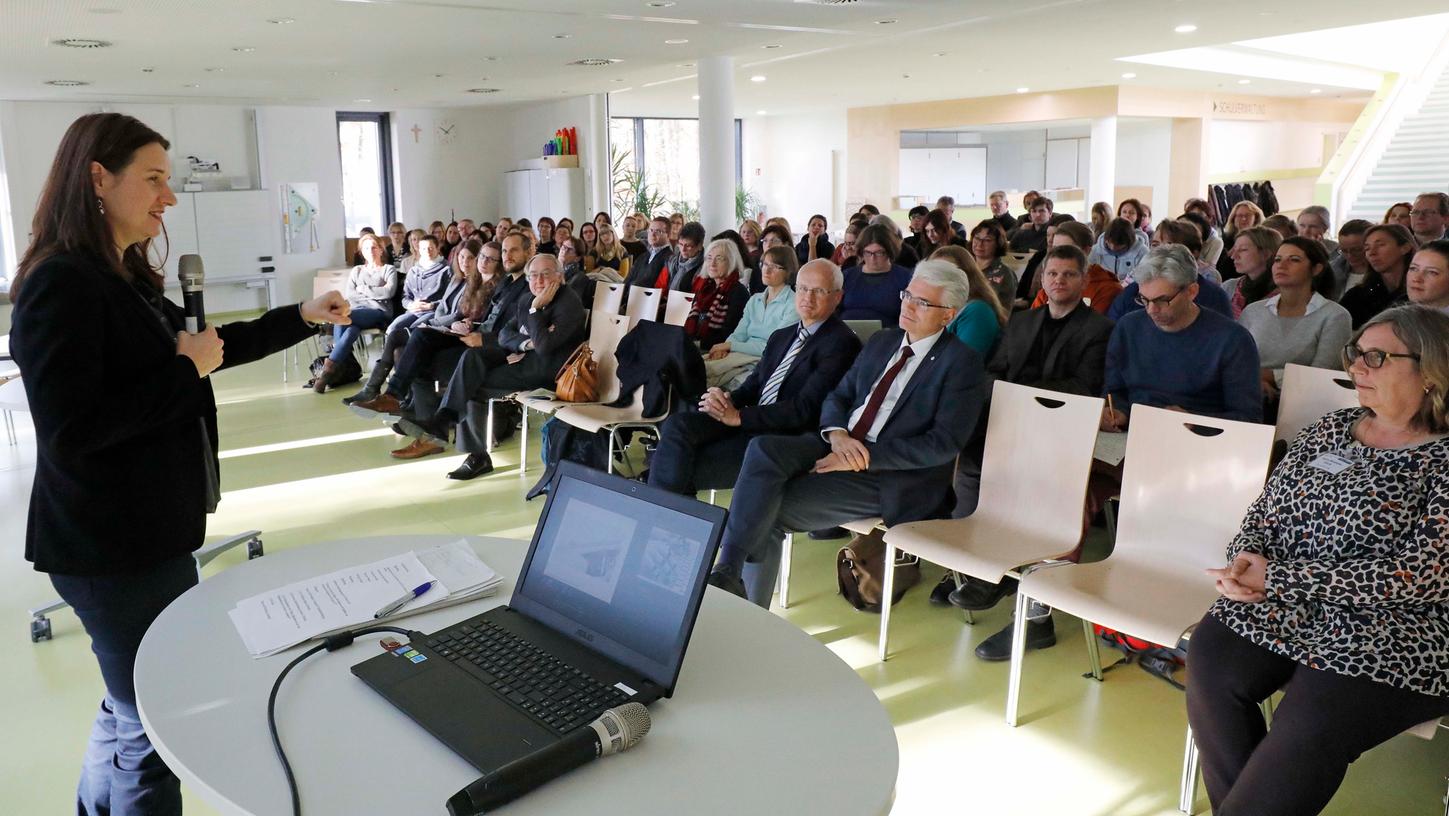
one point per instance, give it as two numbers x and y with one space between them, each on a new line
192 275
617 729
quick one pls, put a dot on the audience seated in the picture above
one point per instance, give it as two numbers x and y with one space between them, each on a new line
918 215
728 363
1400 214
646 267
426 281
358 259
1212 238
1429 276
683 266
979 322
1136 214
1282 224
905 256
873 289
1348 265
751 274
844 254
397 245
799 365
1296 324
370 288
1429 216
1027 285
1101 216
608 253
751 233
988 247
1101 287
1388 249
1312 223
1243 215
1031 236
631 229
720 294
1252 252
1187 234
547 244
887 441
1120 248
815 243
947 205
937 233
1001 211
1334 587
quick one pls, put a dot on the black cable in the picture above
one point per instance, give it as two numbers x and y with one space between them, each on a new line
331 644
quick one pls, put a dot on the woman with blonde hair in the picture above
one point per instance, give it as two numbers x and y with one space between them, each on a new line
980 321
608 252
751 232
1243 215
720 295
1101 216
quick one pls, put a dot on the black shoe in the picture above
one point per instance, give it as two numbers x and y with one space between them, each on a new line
474 466
829 534
976 595
398 429
361 396
728 582
940 595
1040 634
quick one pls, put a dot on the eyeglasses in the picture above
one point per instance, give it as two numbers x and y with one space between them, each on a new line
540 275
1164 301
1423 213
874 253
983 239
907 297
774 266
814 291
1373 358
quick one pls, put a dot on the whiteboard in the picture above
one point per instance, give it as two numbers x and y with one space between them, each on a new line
231 231
180 232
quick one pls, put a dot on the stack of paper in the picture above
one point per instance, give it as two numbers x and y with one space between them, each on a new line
348 598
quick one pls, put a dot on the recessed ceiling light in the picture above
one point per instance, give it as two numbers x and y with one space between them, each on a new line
439 76
80 42
490 59
695 97
483 90
760 113
939 54
1185 28
659 4
1023 90
770 46
244 49
1245 82
363 101
282 20
757 78
1316 91
1129 75
148 70
595 61
885 22
191 85
562 36
66 83
675 42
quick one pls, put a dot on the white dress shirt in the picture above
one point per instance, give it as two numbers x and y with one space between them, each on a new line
919 350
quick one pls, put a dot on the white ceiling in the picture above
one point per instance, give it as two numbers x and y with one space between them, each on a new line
407 53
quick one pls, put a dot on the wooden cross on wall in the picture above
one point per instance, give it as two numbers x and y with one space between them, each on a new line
417 131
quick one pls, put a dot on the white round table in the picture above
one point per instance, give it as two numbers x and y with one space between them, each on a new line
764 718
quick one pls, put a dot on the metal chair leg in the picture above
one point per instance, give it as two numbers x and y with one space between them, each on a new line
1092 653
786 557
888 588
1190 770
488 434
523 441
10 427
1018 657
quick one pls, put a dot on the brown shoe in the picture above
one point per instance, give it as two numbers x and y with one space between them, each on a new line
326 378
383 403
418 449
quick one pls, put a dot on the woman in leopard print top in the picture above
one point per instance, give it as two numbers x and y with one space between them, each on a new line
1336 590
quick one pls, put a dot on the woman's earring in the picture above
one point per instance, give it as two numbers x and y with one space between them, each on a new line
100 205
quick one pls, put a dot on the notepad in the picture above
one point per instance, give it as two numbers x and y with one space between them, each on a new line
1111 447
326 604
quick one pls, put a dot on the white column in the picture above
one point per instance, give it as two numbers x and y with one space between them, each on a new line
1101 175
716 143
597 184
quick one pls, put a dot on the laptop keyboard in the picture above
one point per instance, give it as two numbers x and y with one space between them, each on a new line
554 692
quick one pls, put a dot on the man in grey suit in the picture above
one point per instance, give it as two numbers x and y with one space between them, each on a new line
888 439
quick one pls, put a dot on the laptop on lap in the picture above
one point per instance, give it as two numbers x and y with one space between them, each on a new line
601 615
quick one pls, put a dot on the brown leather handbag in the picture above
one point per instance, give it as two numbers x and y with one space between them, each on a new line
860 572
578 379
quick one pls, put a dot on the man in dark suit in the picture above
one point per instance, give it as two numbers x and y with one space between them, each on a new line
647 265
890 434
801 364
1061 346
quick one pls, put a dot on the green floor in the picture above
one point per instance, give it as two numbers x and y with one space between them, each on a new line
303 469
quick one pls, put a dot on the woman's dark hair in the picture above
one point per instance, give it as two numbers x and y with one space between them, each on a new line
473 247
728 235
1281 224
1136 206
68 218
608 219
1181 232
992 226
937 219
1120 233
1402 237
543 219
779 232
1317 255
823 223
782 255
869 208
878 234
561 223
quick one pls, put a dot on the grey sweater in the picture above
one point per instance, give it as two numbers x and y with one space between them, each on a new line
372 287
1315 339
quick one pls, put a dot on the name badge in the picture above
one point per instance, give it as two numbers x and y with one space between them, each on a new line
1331 463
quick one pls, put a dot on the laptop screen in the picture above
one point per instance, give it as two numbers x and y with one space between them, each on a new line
620 566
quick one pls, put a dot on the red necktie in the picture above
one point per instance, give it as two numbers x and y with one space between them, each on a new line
872 407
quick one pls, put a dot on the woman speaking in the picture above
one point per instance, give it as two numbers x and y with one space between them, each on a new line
125 423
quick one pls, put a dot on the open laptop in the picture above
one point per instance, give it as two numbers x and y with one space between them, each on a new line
601 615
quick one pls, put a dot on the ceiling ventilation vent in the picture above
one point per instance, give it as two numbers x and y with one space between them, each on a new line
595 61
828 2
77 42
483 90
66 83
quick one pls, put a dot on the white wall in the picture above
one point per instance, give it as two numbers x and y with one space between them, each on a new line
1144 159
795 165
1246 147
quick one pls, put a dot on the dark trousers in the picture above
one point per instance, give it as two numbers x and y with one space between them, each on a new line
776 494
343 337
393 342
122 774
482 373
423 345
696 452
1323 723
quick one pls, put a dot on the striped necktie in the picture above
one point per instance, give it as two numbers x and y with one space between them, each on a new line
772 387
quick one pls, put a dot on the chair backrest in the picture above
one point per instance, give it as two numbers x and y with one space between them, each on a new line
609 298
605 332
1187 482
864 329
643 304
1017 261
676 310
1308 394
1038 456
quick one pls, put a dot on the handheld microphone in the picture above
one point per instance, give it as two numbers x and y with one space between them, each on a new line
617 729
192 275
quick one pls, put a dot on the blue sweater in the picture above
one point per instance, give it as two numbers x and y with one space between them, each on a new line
874 297
1209 296
1210 367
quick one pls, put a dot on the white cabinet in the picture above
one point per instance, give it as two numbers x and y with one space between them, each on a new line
929 173
554 192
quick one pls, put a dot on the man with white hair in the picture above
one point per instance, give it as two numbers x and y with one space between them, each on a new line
887 445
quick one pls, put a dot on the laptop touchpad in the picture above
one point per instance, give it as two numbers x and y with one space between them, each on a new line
468 718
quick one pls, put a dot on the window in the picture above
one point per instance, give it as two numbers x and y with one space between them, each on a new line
665 152
362 139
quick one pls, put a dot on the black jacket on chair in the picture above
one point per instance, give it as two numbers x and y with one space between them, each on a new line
1076 363
120 473
660 358
813 374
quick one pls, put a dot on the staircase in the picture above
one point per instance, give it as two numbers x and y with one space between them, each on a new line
1416 159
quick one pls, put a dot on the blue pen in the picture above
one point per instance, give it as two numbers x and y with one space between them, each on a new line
398 604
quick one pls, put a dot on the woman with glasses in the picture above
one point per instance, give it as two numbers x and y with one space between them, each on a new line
720 295
988 247
1252 251
1334 590
1296 324
728 363
845 256
980 321
1387 248
873 289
